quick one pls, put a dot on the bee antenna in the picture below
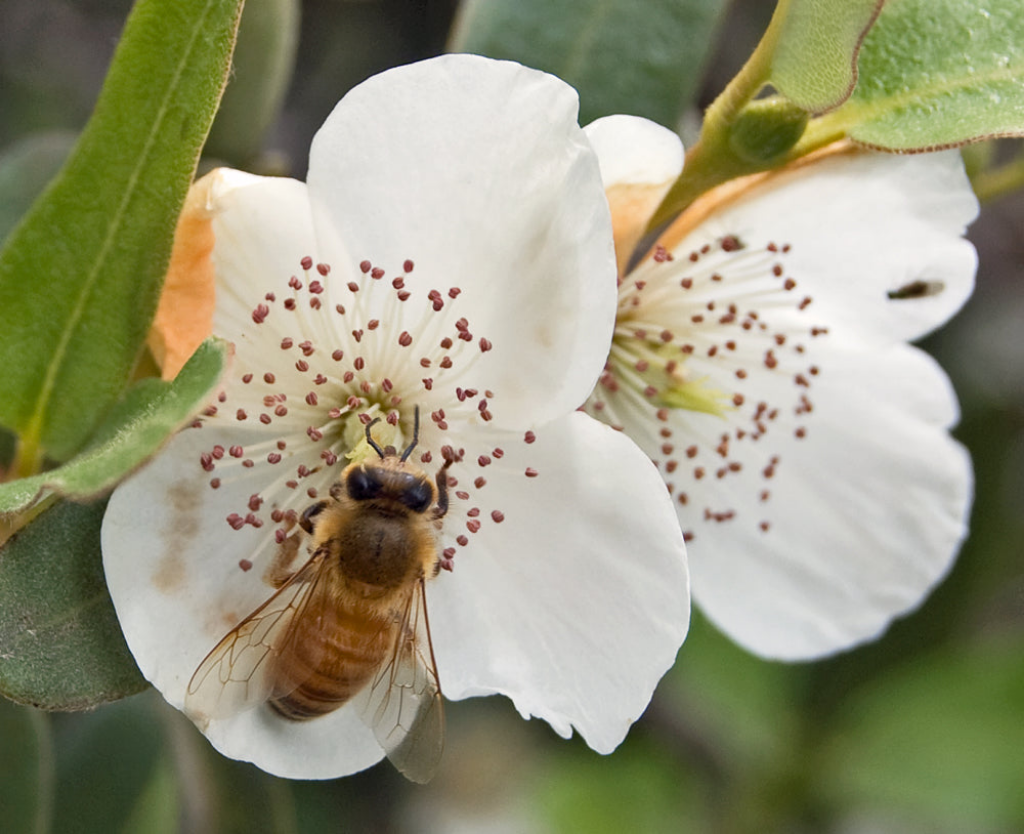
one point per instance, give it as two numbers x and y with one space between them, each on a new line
415 435
369 438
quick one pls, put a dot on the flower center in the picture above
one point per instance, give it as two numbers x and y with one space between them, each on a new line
711 358
354 351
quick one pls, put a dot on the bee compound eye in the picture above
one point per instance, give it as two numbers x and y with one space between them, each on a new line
362 484
417 495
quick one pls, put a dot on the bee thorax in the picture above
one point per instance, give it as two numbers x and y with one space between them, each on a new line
374 550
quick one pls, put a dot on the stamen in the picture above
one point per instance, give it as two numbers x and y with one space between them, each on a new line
719 320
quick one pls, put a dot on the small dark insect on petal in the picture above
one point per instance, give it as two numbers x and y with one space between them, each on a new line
916 289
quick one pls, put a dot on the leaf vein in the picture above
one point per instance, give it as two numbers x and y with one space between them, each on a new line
89 284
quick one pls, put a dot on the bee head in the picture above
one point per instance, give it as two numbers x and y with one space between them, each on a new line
368 482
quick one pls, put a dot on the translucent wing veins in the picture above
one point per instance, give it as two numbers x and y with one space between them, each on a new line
238 674
402 704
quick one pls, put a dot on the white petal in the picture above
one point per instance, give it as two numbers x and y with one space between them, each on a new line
639 161
863 225
337 744
173 567
477 171
866 512
829 498
263 228
574 606
635 151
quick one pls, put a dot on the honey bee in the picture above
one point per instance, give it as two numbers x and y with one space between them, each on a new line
351 623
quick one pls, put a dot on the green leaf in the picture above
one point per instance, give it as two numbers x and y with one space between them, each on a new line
268 38
743 707
155 809
25 169
8 446
644 61
60 643
268 806
132 433
107 761
80 276
222 795
26 770
942 740
815 60
938 73
640 788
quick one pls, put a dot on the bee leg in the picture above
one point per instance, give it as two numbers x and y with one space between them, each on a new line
279 571
306 519
442 490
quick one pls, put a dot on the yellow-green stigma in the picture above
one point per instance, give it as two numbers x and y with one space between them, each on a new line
385 433
657 370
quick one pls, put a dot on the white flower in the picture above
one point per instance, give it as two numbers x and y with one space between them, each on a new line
450 252
761 359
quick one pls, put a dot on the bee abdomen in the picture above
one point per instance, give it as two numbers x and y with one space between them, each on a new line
330 665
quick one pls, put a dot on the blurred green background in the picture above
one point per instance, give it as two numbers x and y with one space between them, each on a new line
922 731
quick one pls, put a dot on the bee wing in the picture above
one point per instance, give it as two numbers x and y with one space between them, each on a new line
402 704
239 673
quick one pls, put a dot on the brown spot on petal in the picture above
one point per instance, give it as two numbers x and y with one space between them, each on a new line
181 528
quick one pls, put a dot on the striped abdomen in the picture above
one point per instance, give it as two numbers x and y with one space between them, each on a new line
335 653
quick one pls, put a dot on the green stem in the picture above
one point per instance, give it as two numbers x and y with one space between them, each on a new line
711 161
992 183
